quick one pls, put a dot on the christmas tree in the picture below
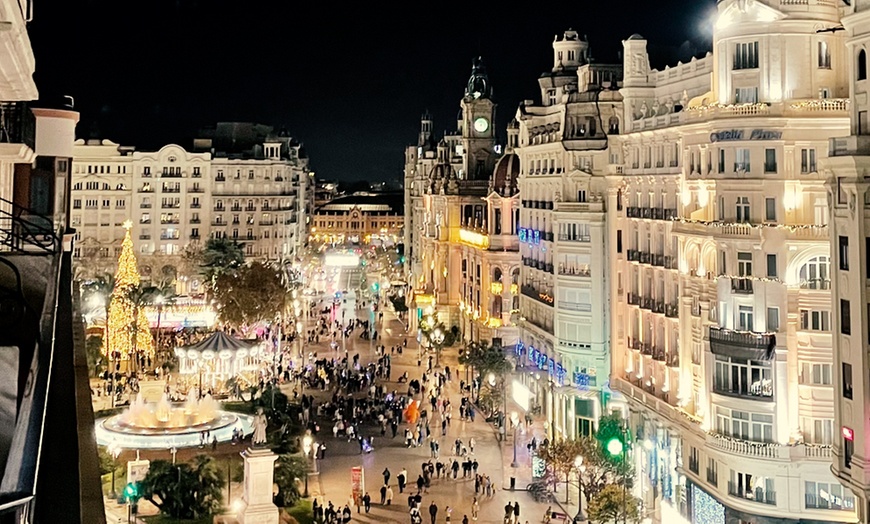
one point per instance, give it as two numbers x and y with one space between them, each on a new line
127 322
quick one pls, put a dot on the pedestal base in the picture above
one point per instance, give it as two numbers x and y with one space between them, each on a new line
257 506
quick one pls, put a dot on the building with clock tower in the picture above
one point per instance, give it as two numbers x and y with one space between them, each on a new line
459 223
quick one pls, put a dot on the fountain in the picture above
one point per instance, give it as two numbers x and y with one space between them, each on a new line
164 425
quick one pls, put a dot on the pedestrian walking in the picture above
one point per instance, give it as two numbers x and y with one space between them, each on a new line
516 512
389 495
386 475
465 519
383 494
433 511
367 501
475 508
402 477
448 510
508 513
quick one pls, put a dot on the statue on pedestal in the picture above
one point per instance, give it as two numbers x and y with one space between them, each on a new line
258 440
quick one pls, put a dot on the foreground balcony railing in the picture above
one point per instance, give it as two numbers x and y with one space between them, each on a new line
758 494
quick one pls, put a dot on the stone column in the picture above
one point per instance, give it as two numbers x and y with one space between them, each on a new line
257 505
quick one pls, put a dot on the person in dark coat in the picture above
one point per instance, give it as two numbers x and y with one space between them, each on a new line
433 511
367 501
383 494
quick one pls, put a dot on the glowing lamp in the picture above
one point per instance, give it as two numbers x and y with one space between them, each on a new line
848 433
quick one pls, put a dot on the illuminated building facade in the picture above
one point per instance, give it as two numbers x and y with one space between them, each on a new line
361 218
846 172
720 253
564 279
257 190
461 208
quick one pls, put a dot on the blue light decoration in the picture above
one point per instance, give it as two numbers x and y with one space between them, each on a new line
705 508
560 374
551 367
519 349
539 467
537 239
581 380
523 234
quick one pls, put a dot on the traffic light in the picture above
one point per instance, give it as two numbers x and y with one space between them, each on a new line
131 492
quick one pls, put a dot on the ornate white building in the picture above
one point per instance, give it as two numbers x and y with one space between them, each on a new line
849 200
565 278
721 296
176 199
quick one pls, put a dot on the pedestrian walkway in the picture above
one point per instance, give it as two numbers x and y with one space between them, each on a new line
392 454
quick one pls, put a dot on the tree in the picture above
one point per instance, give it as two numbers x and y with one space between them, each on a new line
607 506
559 456
127 325
599 471
289 469
485 359
187 491
251 294
219 257
95 356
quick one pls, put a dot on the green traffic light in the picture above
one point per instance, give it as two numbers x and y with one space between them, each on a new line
131 491
614 447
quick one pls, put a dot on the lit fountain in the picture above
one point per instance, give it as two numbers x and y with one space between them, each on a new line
164 425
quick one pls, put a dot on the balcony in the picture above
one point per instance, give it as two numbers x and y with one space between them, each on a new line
816 283
219 209
578 238
144 236
146 189
251 209
220 179
845 503
632 343
168 237
741 285
218 223
673 359
170 205
144 205
171 189
194 236
646 303
633 255
196 189
236 208
169 221
174 174
196 174
574 271
195 205
745 345
531 292
757 495
266 222
633 299
194 221
658 353
672 310
17 123
644 257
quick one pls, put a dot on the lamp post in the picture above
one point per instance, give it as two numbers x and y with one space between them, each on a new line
306 447
514 420
114 450
159 302
579 518
438 339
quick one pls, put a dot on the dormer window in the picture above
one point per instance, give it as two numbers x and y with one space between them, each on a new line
746 56
551 97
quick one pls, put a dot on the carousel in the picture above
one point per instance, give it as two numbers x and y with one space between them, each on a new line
211 362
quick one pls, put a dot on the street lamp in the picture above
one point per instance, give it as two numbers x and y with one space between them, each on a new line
580 518
306 447
514 420
114 450
438 339
159 302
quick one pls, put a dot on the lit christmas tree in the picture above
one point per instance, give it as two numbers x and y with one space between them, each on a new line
127 322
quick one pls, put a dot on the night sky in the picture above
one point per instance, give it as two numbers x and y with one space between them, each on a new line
349 80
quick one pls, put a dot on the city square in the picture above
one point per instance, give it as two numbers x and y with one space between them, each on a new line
281 263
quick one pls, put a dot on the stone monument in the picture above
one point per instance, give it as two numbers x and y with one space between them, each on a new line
257 505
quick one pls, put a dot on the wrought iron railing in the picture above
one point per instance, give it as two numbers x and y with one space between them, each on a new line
24 232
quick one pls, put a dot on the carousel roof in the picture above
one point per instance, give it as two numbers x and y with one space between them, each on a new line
220 344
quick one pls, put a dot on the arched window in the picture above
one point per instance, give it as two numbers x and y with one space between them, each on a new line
862 65
496 275
815 274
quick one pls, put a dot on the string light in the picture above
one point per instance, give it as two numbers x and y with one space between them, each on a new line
719 223
124 316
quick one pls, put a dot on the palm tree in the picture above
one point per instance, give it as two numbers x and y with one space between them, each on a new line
220 255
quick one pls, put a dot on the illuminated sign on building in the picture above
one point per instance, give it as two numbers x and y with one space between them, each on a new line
473 238
739 134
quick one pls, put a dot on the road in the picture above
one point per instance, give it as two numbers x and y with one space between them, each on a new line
341 456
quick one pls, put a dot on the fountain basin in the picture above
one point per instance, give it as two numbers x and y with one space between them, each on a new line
117 430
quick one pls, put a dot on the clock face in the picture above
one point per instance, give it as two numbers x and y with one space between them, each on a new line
481 125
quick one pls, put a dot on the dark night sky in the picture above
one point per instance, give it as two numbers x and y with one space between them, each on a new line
349 80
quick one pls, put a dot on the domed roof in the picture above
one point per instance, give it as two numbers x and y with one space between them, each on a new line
636 36
504 176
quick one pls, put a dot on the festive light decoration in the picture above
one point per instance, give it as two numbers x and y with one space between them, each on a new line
786 227
128 324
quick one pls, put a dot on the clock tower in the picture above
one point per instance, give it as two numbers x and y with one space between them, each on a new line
476 125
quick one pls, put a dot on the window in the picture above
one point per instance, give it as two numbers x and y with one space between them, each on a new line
845 317
743 209
740 377
824 56
770 209
822 495
808 160
848 445
847 380
721 161
551 97
581 195
741 159
867 253
818 430
844 253
77 203
815 320
862 65
772 319
746 55
746 95
619 241
816 374
694 459
815 273
771 266
770 160
745 318
712 471
744 264
743 425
